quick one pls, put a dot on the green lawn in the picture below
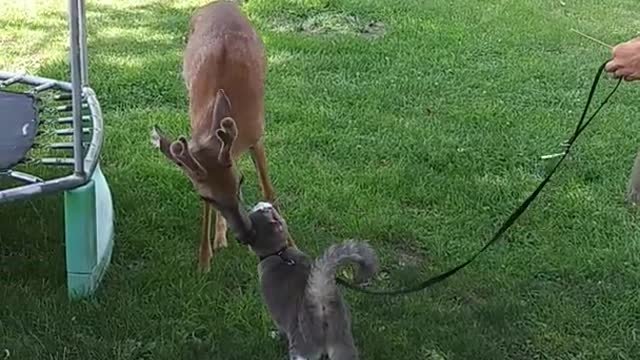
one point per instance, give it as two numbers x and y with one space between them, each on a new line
414 124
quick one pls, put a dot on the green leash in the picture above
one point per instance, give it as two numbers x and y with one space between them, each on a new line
582 124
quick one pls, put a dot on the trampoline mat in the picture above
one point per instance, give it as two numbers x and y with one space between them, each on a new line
18 127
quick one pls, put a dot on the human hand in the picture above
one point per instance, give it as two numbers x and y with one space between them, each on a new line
626 60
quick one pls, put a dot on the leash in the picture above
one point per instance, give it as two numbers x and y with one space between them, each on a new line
582 124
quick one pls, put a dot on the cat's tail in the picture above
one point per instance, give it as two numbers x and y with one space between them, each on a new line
321 285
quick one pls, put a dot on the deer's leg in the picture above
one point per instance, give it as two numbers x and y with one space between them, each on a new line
204 257
259 156
220 239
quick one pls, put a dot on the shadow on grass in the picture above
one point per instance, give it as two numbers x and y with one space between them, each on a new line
451 320
123 70
32 251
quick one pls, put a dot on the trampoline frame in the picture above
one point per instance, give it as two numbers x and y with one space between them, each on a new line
84 164
89 215
79 89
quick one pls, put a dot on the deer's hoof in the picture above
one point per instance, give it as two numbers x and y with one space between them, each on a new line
204 267
220 241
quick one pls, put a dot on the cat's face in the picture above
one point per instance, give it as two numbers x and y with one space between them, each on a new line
270 229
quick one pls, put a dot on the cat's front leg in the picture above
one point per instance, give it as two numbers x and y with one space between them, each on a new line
298 357
294 354
343 348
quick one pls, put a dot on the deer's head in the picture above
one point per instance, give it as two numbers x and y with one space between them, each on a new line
207 160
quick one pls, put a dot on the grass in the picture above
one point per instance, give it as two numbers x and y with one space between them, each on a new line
416 125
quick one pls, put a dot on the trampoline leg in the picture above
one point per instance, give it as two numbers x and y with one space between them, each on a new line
89 235
24 177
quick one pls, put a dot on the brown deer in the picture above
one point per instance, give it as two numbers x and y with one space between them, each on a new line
224 68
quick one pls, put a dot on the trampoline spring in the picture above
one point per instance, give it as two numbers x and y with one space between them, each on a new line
69 131
62 97
43 87
21 176
61 108
64 146
69 119
69 107
12 80
66 97
57 161
29 161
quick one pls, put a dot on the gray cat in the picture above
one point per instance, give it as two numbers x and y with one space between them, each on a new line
301 294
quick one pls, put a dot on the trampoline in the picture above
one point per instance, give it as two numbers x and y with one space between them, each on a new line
64 118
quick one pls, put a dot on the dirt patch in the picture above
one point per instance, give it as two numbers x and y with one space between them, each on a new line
410 258
373 29
329 23
325 23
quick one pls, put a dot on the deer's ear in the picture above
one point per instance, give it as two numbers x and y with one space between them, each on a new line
221 108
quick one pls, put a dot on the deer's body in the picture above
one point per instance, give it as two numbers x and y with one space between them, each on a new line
224 52
224 69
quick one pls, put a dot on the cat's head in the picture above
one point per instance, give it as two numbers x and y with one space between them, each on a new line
270 229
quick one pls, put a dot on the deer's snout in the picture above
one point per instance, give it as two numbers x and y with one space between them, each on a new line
239 222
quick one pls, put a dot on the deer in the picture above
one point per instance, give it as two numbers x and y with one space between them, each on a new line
224 70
